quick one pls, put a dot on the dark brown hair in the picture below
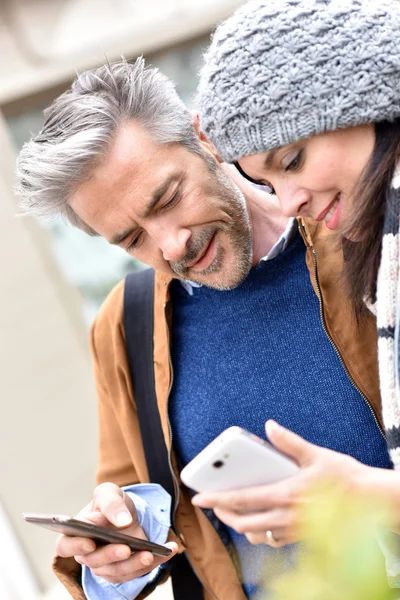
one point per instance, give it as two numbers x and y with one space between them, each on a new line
362 257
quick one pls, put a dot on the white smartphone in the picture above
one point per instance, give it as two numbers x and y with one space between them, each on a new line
236 459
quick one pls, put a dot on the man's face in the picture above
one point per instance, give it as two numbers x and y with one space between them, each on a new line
169 208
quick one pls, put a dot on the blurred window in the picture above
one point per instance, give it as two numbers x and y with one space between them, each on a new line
90 264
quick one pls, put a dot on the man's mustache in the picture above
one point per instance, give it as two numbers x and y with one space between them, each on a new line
194 250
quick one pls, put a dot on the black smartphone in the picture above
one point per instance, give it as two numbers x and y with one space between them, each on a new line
100 535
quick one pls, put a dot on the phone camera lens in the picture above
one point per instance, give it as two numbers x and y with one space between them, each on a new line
218 464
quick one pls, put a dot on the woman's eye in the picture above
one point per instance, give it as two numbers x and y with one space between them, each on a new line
295 163
270 189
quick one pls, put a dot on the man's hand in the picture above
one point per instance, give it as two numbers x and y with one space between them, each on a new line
111 508
277 507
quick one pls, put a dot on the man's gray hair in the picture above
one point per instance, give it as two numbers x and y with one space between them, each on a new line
81 124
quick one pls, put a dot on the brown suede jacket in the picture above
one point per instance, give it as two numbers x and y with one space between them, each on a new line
121 458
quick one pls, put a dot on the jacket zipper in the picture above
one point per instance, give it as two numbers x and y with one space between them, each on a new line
353 383
174 477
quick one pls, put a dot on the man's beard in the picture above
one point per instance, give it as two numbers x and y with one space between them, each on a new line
224 191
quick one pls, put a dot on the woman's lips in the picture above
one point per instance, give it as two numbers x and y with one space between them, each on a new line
331 213
323 214
207 257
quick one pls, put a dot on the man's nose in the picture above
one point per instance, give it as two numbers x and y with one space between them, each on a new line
173 244
293 202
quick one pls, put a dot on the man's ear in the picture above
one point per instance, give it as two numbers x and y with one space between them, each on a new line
205 142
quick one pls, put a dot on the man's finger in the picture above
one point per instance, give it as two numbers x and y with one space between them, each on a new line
67 546
105 555
111 501
139 564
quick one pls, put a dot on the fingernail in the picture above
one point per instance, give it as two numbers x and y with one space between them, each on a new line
273 426
86 548
196 500
172 546
123 518
147 560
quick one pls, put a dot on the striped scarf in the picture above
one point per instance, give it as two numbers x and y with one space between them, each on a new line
388 320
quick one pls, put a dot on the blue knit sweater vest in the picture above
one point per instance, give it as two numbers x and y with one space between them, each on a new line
256 352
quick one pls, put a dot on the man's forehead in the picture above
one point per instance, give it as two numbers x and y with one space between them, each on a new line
135 156
129 177
131 150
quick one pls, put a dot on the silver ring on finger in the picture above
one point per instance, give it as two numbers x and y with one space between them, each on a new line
271 541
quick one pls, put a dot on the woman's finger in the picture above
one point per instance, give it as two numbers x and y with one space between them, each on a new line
290 443
280 538
260 522
281 494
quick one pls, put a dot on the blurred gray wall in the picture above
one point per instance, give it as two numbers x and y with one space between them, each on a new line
48 422
47 292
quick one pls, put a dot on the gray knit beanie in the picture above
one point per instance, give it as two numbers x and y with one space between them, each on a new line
281 70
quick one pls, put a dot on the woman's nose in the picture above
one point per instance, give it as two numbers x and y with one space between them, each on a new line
293 202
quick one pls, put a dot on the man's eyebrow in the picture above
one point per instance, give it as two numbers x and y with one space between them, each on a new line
158 193
117 239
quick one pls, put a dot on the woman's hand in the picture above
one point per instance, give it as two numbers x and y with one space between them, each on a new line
276 508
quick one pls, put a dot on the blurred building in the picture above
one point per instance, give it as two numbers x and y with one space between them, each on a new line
53 278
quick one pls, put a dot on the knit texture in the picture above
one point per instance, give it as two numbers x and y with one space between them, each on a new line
388 320
281 70
267 356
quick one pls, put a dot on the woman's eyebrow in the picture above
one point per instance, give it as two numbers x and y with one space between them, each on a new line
269 159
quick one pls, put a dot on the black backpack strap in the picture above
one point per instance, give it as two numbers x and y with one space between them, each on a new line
138 323
139 326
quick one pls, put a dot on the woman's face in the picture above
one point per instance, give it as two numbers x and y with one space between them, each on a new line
316 177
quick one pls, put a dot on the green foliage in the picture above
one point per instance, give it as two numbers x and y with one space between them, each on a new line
342 558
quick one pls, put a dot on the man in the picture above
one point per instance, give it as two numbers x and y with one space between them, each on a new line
238 336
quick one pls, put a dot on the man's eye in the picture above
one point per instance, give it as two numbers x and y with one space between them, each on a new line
134 243
173 200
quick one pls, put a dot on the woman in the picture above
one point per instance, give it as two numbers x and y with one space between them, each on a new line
304 96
